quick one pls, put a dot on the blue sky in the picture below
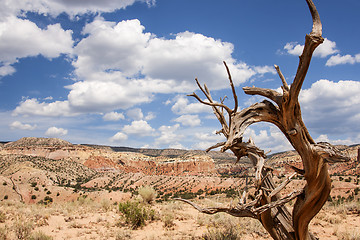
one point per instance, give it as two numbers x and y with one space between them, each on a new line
117 72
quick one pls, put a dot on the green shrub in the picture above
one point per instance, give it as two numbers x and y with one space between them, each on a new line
147 193
6 197
136 214
33 196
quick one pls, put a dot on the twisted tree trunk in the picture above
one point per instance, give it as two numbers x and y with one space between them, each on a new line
283 111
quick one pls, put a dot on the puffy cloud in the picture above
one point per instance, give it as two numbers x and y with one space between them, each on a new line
327 48
97 96
34 107
206 140
332 107
56 132
169 137
135 114
111 46
118 65
150 116
22 126
166 63
325 138
189 120
293 48
119 137
141 128
113 116
346 59
182 105
6 70
22 38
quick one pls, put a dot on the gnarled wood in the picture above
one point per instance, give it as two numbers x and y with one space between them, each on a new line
284 112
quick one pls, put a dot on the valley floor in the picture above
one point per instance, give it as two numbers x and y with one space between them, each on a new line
87 219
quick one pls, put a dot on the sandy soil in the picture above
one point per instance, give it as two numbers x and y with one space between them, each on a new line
88 219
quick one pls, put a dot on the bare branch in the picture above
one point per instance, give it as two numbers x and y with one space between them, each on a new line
311 42
317 26
279 202
219 114
269 93
281 186
330 153
232 88
215 146
285 85
230 210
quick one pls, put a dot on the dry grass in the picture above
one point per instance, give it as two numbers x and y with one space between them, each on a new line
147 193
87 219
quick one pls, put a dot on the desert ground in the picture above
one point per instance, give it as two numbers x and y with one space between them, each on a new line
51 189
89 219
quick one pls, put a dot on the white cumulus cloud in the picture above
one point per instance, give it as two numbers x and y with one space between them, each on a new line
113 116
22 38
135 113
346 59
119 65
119 137
169 137
332 107
22 126
182 105
325 49
56 132
141 128
189 120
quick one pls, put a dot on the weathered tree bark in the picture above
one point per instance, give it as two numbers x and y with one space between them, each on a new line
284 112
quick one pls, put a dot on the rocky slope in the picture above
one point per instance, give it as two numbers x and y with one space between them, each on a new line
32 169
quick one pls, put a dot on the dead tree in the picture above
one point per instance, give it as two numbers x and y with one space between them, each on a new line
283 110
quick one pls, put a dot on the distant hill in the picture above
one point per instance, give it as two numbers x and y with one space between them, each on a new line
170 153
43 167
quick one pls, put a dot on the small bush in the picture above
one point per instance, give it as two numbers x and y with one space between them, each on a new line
228 233
6 197
4 183
106 205
33 184
147 193
22 230
40 236
168 220
135 214
2 217
33 196
123 235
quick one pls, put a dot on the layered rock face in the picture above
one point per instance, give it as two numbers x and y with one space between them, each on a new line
104 159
